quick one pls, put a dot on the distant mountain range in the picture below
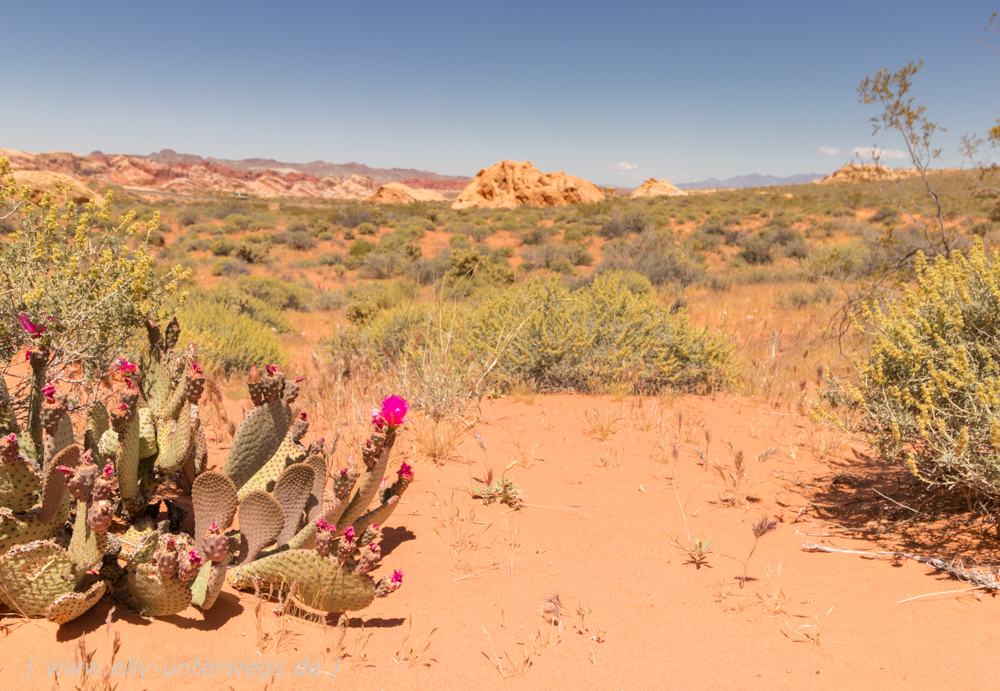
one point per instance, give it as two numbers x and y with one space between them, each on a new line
752 180
320 169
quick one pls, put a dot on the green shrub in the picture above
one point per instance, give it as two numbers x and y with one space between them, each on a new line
366 229
360 247
252 250
757 248
380 264
188 216
88 280
594 339
563 266
656 256
204 229
237 223
928 393
579 255
222 247
330 259
228 340
472 270
621 225
229 267
276 293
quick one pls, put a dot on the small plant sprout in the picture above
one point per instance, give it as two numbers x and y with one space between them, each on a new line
503 490
698 552
760 528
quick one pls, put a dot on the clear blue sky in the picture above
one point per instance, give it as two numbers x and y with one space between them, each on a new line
682 90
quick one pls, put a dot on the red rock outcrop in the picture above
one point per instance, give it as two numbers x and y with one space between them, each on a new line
656 188
510 184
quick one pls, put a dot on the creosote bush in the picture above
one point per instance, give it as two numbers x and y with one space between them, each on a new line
928 394
84 277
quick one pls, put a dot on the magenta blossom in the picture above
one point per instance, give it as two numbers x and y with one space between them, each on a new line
272 369
349 533
194 557
11 438
27 355
302 416
196 369
33 329
49 391
405 472
397 578
323 525
108 470
394 410
124 366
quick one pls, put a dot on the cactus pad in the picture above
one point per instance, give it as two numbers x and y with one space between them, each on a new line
34 576
179 447
18 486
208 584
261 520
147 433
314 504
288 453
292 491
214 500
72 605
156 596
323 583
54 482
258 437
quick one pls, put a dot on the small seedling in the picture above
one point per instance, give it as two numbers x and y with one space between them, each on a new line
698 552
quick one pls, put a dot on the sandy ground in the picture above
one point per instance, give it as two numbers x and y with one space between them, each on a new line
606 527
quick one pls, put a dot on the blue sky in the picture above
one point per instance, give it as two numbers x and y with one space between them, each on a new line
612 92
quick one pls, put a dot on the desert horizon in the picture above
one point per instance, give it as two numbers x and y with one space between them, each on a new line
574 375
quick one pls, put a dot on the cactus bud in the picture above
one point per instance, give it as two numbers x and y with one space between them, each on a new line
53 408
324 541
388 585
369 558
194 383
103 484
81 482
343 482
100 515
256 386
9 449
166 561
215 543
300 427
189 566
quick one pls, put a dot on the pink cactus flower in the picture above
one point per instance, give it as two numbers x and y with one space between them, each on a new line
33 329
405 472
394 410
194 557
171 544
349 533
49 391
63 469
11 438
196 369
125 367
27 355
343 472
323 525
108 470
123 406
397 578
302 416
272 369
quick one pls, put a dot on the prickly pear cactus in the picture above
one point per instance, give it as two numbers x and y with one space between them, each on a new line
321 552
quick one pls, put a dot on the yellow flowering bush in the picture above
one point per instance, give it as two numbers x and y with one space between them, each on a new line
78 280
928 393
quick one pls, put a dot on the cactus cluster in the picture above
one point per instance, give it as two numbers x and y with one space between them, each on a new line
80 522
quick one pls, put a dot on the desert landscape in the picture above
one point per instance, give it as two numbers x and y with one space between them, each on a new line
551 421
